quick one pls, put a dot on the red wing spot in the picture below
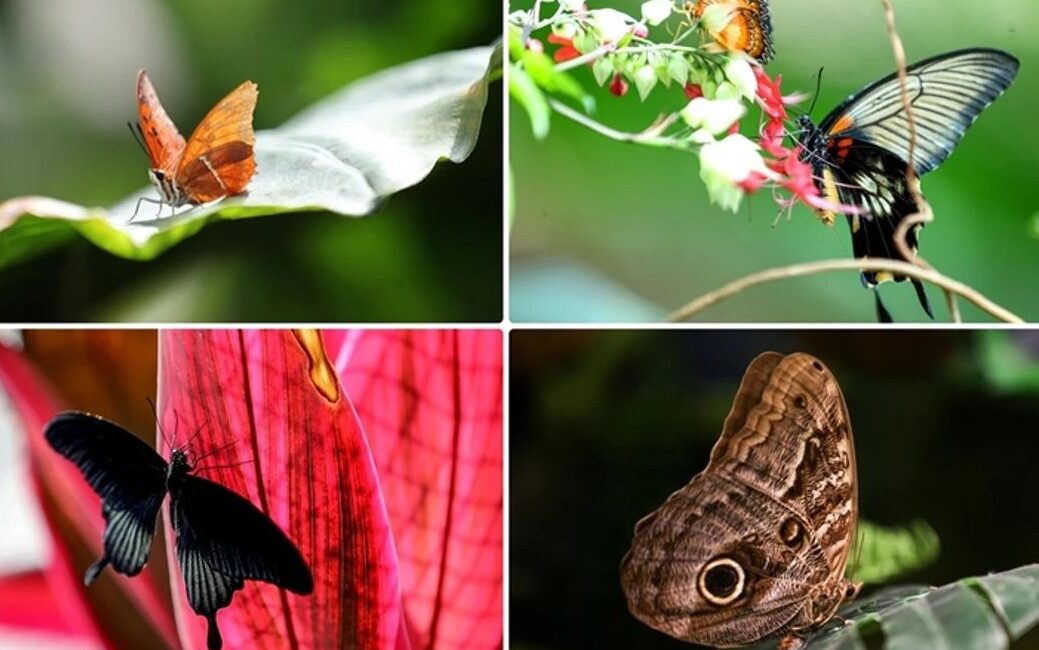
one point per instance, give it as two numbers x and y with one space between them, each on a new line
841 148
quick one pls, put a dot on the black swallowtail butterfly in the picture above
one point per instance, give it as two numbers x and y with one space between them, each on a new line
222 539
859 153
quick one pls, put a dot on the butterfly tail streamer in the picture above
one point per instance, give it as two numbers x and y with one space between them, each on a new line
295 449
921 295
213 639
883 315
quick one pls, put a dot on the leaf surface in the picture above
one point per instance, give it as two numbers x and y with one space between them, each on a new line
431 403
344 154
983 612
274 425
121 611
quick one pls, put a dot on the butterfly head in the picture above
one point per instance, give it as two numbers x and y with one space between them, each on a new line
168 190
807 133
179 464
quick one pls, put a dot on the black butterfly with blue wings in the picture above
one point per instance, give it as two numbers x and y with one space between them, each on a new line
222 539
860 152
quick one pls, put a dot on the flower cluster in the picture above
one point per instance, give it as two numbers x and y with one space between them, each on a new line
719 84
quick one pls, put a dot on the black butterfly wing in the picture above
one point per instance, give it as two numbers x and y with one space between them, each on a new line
128 475
859 152
223 540
863 175
948 92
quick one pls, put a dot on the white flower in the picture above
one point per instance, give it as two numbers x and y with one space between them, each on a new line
655 12
611 24
725 164
572 5
739 72
726 90
645 78
713 115
716 17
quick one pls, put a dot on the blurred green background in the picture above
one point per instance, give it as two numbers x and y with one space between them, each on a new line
611 231
67 71
605 425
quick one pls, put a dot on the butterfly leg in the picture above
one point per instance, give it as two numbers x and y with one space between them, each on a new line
145 199
95 569
136 209
790 642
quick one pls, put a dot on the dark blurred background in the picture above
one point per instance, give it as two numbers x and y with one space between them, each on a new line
67 71
606 424
608 231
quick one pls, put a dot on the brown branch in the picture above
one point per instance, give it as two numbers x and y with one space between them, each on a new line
924 214
949 285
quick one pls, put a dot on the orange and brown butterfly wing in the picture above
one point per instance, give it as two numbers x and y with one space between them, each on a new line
163 141
749 28
218 159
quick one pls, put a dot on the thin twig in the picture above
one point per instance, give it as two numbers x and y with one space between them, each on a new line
587 57
872 264
650 136
535 15
924 214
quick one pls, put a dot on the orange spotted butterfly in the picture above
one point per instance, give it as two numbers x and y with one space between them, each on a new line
746 28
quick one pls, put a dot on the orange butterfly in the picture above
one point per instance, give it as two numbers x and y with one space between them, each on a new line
217 160
747 27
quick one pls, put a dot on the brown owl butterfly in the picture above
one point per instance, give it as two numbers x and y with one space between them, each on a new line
755 546
746 28
216 161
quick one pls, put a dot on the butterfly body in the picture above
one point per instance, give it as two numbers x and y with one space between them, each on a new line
216 161
222 539
755 546
861 151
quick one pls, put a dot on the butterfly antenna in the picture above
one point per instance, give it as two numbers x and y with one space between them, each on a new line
207 468
216 450
158 422
818 86
187 443
138 136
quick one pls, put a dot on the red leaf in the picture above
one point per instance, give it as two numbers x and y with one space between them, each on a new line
120 611
26 601
431 404
295 449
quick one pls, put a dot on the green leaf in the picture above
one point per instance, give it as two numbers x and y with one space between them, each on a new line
645 79
543 72
585 42
881 553
602 69
523 89
345 154
678 69
982 612
1008 363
